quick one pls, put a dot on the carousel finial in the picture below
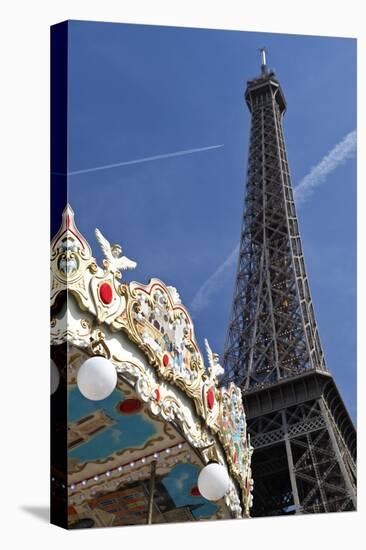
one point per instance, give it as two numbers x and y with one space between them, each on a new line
215 369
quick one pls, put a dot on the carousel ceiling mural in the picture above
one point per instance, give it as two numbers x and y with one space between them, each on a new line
165 418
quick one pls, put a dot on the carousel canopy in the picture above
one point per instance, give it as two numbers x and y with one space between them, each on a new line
166 406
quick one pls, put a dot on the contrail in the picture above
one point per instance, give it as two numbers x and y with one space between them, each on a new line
343 151
209 287
138 161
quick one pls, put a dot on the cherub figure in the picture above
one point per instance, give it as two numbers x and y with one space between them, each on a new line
114 261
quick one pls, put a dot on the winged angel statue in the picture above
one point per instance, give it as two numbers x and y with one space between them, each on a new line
215 369
114 261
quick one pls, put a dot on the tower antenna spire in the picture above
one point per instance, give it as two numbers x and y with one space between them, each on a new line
264 68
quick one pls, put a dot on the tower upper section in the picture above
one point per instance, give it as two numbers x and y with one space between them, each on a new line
272 333
264 89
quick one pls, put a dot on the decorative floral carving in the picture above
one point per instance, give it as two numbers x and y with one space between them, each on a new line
164 330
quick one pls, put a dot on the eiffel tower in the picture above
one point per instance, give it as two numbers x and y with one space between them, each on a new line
304 441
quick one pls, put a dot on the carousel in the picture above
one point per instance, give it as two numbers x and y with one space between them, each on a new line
142 432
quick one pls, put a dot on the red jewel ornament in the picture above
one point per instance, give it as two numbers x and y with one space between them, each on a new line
210 398
157 394
106 293
195 492
165 359
130 406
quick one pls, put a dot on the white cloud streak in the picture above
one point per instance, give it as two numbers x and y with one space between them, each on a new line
343 151
340 153
213 283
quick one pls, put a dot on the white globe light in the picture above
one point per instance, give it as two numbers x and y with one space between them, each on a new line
97 378
55 377
213 481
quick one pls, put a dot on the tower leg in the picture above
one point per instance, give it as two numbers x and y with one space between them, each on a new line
348 483
291 468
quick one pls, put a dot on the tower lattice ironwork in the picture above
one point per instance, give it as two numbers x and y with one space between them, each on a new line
304 440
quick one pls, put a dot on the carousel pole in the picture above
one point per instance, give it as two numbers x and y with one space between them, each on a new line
151 491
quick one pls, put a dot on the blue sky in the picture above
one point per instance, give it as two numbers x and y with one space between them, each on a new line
137 91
